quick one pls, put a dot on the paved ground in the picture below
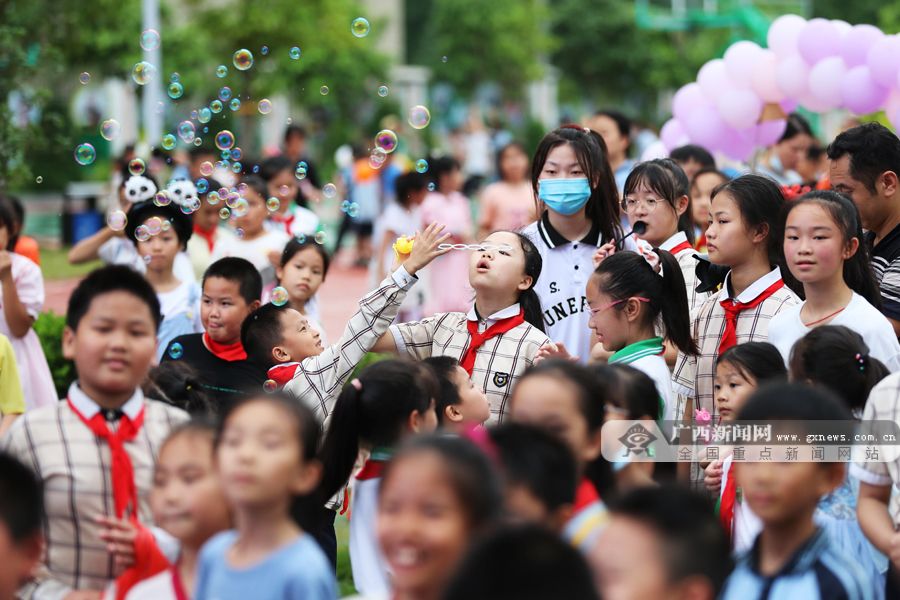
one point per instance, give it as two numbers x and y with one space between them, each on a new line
338 297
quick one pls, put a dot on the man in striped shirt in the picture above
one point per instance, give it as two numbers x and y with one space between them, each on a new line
865 165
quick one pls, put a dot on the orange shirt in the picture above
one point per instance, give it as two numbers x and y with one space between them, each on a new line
28 247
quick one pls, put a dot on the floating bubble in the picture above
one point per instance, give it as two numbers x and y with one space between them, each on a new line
300 238
191 207
383 90
174 77
242 59
279 296
221 71
197 141
141 233
320 237
235 104
176 90
421 165
153 225
264 106
224 213
116 220
162 198
176 351
110 129
269 386
359 27
299 173
375 162
294 53
272 204
39 179
231 200
379 154
206 168
443 59
215 106
150 39
204 115
236 168
224 140
85 154
329 190
225 93
195 114
239 232
323 90
353 211
430 186
241 206
202 185
168 141
386 140
136 166
419 117
213 198
84 78
143 72
166 225
186 131
264 50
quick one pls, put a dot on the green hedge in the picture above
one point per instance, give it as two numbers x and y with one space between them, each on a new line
49 327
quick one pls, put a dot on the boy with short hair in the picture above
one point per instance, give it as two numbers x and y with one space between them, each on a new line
662 542
792 557
95 452
21 511
231 291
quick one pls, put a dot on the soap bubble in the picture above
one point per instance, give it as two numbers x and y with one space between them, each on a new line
153 225
206 168
197 141
264 50
110 129
386 140
213 198
162 198
431 186
224 213
176 90
202 185
240 206
421 165
300 173
116 220
136 166
295 53
176 351
85 154
272 204
225 93
443 59
237 154
215 106
264 106
150 39
375 162
359 27
186 131
242 59
329 190
419 117
320 237
204 115
39 179
221 71
166 225
383 90
84 78
192 207
143 72
141 233
269 386
279 296
323 90
174 77
235 104
168 141
224 140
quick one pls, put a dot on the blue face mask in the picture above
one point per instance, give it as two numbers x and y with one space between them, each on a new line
565 196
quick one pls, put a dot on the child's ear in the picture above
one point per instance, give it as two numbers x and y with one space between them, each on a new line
592 450
30 551
451 412
851 248
253 306
68 343
308 478
279 273
280 354
681 204
760 233
833 478
525 283
695 587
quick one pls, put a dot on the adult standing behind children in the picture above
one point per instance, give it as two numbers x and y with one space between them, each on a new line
865 165
615 129
508 204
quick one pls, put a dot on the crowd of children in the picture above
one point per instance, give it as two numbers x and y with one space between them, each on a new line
213 437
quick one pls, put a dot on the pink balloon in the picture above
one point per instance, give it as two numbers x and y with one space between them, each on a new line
769 132
738 144
825 80
792 75
884 60
855 45
783 34
894 118
739 108
713 79
705 128
789 105
817 41
860 92
688 99
763 80
842 28
814 104
673 134
739 61
892 107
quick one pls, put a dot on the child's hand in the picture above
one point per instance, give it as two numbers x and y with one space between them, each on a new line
602 252
119 535
713 476
553 350
5 264
425 249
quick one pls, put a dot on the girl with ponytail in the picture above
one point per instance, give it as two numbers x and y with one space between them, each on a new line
389 401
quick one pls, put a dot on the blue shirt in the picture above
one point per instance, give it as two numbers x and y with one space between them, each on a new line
817 570
296 571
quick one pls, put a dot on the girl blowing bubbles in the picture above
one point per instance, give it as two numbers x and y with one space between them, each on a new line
824 251
265 455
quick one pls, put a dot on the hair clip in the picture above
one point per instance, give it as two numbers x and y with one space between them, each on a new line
356 383
861 359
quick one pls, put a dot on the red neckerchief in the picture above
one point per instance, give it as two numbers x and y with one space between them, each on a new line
685 245
733 309
726 504
585 495
287 220
467 361
124 489
371 470
148 562
209 236
700 244
178 585
284 372
227 352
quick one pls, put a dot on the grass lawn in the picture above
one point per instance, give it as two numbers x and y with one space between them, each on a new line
344 575
55 265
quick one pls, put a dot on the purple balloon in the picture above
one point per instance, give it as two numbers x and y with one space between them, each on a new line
789 105
763 80
792 75
826 79
673 134
713 79
856 44
883 60
860 92
688 99
769 132
816 41
705 128
739 108
738 143
739 61
783 34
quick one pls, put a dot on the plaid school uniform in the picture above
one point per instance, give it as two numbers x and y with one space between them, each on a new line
75 466
499 362
694 376
883 405
684 253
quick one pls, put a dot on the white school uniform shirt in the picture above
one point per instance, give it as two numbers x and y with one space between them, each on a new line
684 254
370 570
120 251
746 524
647 356
787 327
256 251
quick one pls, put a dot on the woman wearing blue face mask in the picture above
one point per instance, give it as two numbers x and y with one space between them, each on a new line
579 211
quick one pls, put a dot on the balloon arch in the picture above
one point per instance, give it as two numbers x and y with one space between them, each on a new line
738 102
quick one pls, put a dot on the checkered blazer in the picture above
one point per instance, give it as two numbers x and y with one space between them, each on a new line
74 465
498 363
883 405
